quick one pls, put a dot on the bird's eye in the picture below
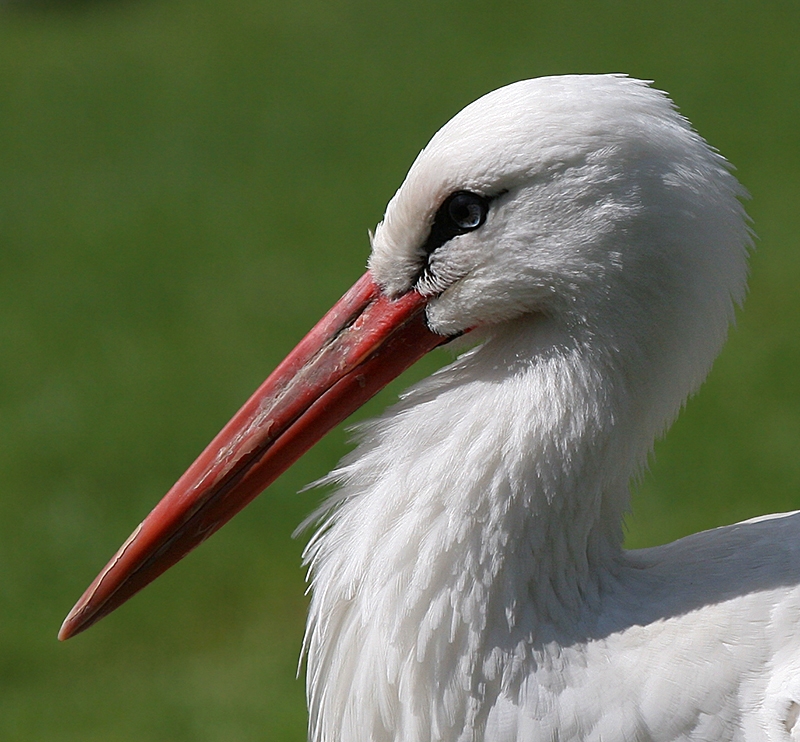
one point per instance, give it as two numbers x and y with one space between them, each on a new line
461 212
466 210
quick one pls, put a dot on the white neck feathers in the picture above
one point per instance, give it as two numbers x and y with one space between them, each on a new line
490 496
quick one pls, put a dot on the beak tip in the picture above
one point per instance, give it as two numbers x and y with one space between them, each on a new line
86 612
76 621
68 629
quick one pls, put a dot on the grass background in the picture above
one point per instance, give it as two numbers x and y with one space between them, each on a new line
184 188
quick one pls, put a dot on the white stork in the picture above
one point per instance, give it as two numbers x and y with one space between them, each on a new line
468 577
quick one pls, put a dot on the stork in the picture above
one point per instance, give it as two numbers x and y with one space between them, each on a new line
586 248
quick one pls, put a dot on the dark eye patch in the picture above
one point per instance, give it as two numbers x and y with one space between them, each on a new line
459 213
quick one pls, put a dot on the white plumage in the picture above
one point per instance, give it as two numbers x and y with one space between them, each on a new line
469 582
468 578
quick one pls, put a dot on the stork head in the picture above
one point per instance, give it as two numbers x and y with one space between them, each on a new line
584 200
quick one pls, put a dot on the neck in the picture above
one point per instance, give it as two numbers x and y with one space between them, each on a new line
489 499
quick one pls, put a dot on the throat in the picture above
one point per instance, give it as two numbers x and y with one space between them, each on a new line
478 512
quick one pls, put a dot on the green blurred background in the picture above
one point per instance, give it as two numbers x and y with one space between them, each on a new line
184 188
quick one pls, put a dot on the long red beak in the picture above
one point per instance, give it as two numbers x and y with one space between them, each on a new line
363 342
